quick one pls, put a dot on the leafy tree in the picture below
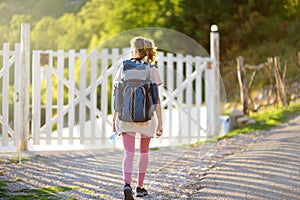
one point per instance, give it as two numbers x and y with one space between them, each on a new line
127 14
243 24
44 34
292 9
37 9
8 9
4 33
15 25
94 15
72 33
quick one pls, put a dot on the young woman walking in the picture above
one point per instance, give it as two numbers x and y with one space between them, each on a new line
143 51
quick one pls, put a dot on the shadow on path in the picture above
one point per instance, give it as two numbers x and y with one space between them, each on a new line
267 169
262 165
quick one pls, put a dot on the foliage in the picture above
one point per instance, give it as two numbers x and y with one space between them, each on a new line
253 29
243 24
37 9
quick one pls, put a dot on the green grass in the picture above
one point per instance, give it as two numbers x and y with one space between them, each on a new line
154 148
32 194
264 120
41 193
3 190
267 119
17 179
2 184
18 159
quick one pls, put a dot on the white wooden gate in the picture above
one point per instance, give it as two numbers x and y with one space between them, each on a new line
10 90
15 114
83 116
71 98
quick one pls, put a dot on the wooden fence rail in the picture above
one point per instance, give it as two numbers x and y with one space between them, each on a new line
279 93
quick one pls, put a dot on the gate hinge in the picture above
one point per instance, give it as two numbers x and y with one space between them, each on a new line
16 97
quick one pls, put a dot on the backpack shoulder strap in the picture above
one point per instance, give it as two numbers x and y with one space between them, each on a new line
122 70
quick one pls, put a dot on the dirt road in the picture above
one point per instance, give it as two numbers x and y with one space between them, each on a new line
261 165
266 169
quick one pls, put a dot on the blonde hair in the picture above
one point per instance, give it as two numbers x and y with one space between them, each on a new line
146 48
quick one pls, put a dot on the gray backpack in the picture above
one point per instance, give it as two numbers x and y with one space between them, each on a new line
135 96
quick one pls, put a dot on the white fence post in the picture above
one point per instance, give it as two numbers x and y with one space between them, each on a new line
17 82
189 94
215 54
170 88
104 98
71 115
93 95
24 92
212 91
5 86
82 107
60 95
199 94
179 79
49 105
36 97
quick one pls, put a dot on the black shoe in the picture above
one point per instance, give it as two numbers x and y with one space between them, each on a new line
141 192
128 192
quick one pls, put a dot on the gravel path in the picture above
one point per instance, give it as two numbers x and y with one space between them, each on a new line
266 169
260 165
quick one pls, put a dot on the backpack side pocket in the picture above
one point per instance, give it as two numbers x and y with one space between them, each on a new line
117 96
127 106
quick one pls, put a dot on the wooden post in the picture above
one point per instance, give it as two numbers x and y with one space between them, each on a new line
271 78
212 90
24 92
276 80
281 89
242 83
5 94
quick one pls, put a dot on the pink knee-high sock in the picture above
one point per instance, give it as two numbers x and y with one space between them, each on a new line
129 143
144 159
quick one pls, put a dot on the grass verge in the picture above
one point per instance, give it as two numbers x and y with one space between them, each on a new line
267 119
264 121
31 194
